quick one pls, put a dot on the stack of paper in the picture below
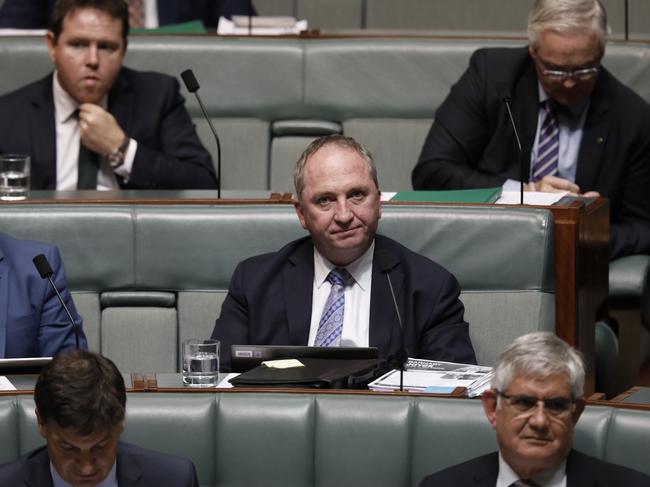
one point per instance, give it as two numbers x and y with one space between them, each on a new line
436 377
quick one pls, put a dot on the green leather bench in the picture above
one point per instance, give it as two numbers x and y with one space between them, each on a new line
269 97
145 277
273 439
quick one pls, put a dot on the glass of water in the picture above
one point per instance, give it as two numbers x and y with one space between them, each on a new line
14 176
200 363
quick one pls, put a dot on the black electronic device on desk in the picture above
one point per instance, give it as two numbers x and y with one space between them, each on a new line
323 367
24 365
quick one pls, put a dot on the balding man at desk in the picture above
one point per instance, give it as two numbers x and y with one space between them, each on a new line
328 289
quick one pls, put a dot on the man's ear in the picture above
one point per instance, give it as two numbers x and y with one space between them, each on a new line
42 429
580 406
489 400
299 212
50 41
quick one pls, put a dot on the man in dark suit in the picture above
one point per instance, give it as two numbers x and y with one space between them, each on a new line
32 321
80 407
533 405
36 14
329 289
94 124
595 140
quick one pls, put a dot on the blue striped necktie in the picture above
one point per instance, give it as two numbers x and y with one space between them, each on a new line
548 148
330 327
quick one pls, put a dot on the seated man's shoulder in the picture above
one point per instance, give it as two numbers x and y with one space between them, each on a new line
411 261
605 473
148 78
22 248
15 473
485 467
155 465
20 96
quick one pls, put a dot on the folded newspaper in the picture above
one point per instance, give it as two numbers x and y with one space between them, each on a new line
438 377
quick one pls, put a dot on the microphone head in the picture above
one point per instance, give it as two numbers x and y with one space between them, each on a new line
42 266
503 91
385 260
190 81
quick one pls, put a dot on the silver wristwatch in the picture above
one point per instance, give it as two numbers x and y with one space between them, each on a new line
116 157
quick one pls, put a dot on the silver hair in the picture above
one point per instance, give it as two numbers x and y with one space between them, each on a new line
567 16
539 355
338 140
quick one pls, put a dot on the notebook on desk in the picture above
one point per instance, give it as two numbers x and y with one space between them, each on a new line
247 357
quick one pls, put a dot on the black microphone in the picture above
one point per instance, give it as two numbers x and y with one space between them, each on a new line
386 262
192 86
504 94
45 270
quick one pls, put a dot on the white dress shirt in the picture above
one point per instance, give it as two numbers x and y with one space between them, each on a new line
67 145
356 317
109 481
551 478
571 124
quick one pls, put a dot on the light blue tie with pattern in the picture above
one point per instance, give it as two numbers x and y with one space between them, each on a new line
548 149
330 327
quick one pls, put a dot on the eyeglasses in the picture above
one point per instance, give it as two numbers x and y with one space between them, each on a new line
584 74
526 404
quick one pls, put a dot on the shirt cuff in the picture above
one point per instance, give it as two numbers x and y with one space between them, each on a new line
125 169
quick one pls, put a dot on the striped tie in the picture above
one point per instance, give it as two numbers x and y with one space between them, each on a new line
549 146
330 327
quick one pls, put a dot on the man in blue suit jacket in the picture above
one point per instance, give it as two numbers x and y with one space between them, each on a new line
80 407
279 298
37 14
32 320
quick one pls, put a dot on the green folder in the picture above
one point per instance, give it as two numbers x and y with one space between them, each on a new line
482 195
192 27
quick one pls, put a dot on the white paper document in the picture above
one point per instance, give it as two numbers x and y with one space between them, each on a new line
537 198
5 384
435 376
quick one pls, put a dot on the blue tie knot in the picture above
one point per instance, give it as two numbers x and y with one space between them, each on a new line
339 277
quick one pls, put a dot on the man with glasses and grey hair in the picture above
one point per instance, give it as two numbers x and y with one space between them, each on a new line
581 129
533 405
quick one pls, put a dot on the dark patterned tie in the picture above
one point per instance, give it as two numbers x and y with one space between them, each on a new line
548 149
524 483
330 327
87 166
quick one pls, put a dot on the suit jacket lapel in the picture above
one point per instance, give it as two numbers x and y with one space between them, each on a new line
577 474
43 139
594 136
527 112
121 101
297 287
4 301
38 469
383 319
128 472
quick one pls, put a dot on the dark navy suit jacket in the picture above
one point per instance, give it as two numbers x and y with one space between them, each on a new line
136 467
149 108
471 143
32 320
270 296
581 470
36 14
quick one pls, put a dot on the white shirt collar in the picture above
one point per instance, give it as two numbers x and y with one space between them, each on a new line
550 478
64 105
360 269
